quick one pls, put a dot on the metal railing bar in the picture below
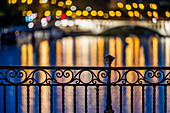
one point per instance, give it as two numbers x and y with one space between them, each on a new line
74 98
132 99
51 98
39 98
120 98
28 99
165 99
86 106
97 98
154 99
143 99
63 99
4 98
16 98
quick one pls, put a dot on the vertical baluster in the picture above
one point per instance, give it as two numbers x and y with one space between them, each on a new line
74 98
154 99
120 98
143 99
165 99
131 99
63 105
86 99
97 99
4 98
28 98
51 98
16 99
39 98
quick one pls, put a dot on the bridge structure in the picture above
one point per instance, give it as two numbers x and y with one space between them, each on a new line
98 26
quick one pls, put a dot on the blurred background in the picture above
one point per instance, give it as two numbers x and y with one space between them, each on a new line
81 33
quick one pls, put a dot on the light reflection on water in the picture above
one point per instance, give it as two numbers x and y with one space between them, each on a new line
90 51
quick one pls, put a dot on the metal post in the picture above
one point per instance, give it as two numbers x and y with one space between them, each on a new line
109 109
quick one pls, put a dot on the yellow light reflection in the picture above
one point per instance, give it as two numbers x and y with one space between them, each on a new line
29 13
136 50
119 52
44 61
101 51
73 15
167 51
129 51
78 51
94 51
141 56
24 13
112 49
24 55
59 52
155 14
155 51
69 51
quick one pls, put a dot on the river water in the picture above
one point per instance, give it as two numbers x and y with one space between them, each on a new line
87 51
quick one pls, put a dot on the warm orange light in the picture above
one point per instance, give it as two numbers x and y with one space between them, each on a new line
24 13
93 13
29 13
69 13
68 2
141 6
53 1
47 13
100 13
29 2
130 13
58 13
78 13
60 4
167 14
73 15
120 5
106 15
85 13
14 1
136 13
22 1
149 13
112 13
118 13
128 7
135 5
155 14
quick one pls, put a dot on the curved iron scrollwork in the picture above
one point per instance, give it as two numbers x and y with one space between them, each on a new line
84 75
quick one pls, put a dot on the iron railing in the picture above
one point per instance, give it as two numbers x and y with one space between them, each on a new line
97 77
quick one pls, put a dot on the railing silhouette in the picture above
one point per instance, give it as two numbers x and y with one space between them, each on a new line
73 77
